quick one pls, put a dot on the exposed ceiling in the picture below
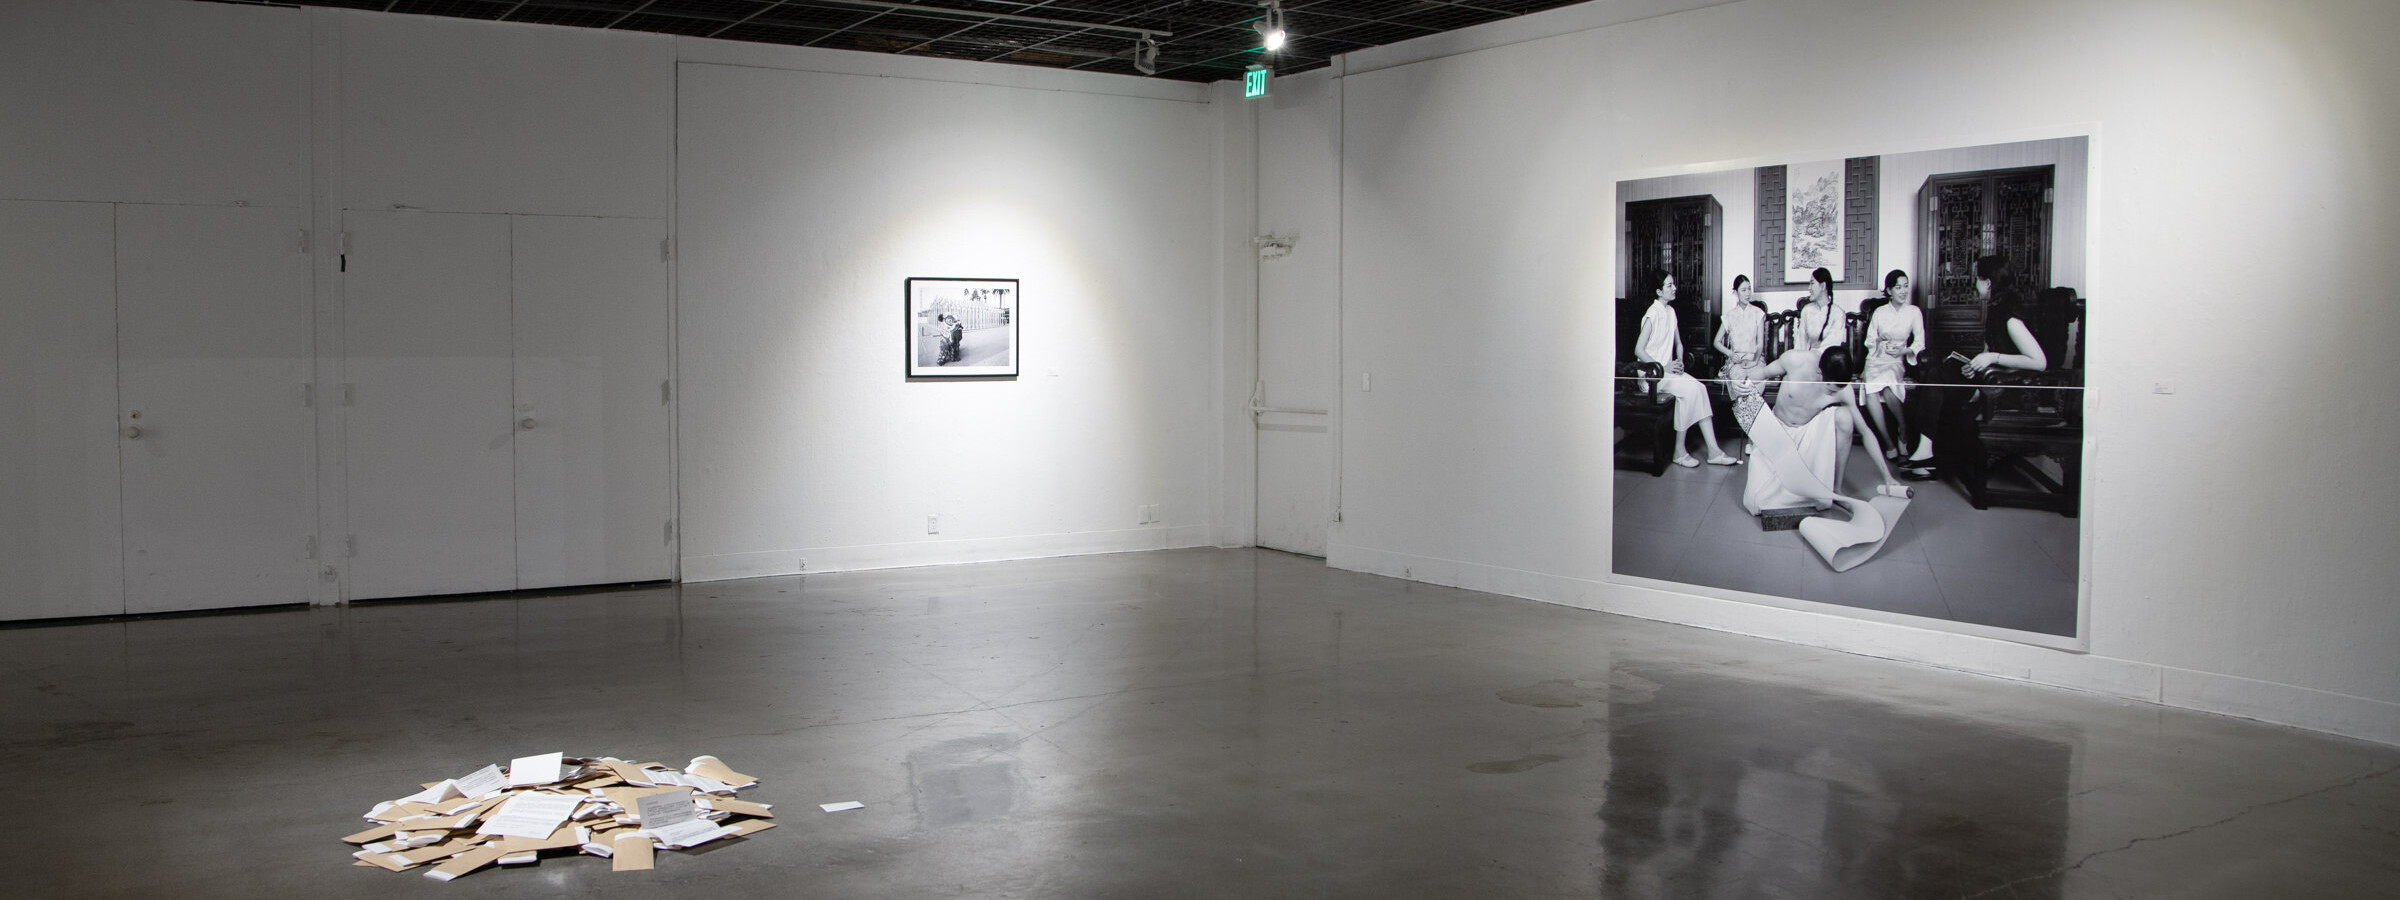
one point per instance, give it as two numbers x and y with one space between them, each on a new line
1205 40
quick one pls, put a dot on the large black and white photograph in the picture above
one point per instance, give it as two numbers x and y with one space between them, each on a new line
1858 382
962 327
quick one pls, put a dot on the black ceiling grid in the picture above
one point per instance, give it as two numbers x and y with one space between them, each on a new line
1208 40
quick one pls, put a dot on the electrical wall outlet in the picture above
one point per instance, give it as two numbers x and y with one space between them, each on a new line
933 524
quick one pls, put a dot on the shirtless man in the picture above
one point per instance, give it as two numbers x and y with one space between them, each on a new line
1812 437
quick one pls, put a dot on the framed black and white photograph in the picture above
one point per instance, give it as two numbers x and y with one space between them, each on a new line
962 327
1859 384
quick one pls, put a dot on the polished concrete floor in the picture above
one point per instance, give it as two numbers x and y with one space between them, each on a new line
1199 723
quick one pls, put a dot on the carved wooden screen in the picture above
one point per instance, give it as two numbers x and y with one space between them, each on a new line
1968 215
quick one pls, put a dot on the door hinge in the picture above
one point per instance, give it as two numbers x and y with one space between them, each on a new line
670 531
345 242
312 546
304 240
308 395
349 545
349 393
666 250
666 393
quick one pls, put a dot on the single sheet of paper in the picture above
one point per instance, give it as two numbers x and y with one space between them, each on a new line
384 860
713 768
531 771
484 781
440 791
464 863
843 806
626 797
632 774
362 837
687 833
664 808
738 807
529 815
397 811
632 853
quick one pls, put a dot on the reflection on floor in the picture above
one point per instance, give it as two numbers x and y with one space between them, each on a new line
1191 723
2007 568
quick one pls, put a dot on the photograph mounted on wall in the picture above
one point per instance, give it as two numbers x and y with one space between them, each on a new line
1859 383
962 327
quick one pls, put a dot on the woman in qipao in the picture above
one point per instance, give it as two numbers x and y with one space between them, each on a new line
1661 343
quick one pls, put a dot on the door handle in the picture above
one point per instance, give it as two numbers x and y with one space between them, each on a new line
527 424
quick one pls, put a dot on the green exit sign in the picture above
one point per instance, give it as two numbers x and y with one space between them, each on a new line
1254 82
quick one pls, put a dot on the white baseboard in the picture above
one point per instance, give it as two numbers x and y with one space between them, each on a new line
859 557
2265 701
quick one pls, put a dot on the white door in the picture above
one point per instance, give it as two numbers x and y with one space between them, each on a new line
59 524
594 439
215 337
431 459
1298 328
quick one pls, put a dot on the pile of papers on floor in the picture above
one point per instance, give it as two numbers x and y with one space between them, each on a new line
557 805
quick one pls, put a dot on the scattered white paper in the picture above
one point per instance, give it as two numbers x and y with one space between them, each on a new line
484 781
664 809
687 833
843 806
434 794
529 771
530 815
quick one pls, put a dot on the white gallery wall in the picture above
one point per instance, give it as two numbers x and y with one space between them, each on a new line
806 197
2238 529
398 301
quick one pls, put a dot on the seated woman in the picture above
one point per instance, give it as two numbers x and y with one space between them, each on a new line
1821 322
1660 343
1797 449
1742 336
1960 446
1895 338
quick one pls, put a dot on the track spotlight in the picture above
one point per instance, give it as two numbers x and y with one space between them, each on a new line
1145 55
1270 28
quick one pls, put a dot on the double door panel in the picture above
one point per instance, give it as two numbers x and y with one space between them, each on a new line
509 425
156 448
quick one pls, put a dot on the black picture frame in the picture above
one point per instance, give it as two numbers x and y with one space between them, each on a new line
961 327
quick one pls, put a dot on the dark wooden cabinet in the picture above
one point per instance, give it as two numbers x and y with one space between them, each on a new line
1968 215
1679 235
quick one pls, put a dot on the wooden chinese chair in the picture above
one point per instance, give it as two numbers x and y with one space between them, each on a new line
2029 418
1646 418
